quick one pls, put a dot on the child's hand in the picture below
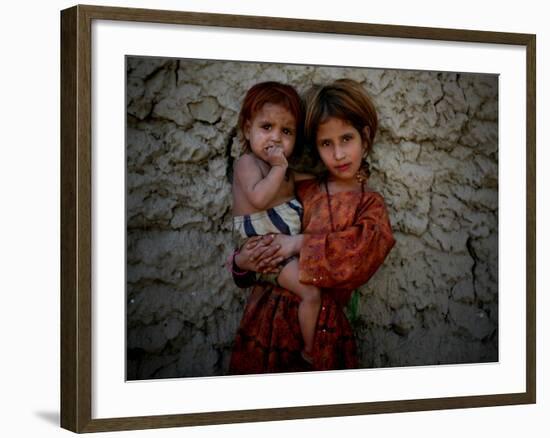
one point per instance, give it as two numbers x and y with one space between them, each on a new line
276 156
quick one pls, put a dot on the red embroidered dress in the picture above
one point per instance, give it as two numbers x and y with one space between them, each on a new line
269 338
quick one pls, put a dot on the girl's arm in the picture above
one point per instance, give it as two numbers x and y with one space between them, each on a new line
301 176
260 191
242 279
347 259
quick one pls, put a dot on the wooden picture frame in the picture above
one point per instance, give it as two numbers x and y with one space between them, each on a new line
76 218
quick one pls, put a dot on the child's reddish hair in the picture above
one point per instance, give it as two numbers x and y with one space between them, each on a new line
274 93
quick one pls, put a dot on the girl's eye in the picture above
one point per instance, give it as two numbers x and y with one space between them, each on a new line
347 138
266 126
287 131
324 144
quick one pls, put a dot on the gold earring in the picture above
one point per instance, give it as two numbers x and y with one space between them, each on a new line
364 171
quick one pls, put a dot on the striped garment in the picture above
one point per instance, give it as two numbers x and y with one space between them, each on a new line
284 218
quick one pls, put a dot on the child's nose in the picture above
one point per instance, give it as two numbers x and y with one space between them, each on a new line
276 134
338 152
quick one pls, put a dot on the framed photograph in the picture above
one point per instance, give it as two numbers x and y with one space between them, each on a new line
430 303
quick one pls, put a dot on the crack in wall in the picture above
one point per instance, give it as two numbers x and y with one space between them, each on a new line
474 257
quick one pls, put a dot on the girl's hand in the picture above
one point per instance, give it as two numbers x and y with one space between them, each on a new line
256 250
281 247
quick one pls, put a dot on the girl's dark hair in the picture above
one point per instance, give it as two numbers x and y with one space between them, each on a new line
344 99
274 93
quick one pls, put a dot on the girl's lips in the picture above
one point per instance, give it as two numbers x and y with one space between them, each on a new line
343 167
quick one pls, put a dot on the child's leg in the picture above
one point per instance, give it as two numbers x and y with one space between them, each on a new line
308 311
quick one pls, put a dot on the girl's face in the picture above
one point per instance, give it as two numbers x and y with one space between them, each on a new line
341 148
272 126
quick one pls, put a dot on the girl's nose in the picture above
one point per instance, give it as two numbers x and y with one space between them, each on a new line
338 152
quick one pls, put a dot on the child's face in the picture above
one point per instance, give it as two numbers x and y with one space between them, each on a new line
272 126
341 148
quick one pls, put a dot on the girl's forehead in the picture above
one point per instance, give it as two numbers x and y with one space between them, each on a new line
274 111
330 124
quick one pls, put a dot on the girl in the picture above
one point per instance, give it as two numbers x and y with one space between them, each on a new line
346 237
263 187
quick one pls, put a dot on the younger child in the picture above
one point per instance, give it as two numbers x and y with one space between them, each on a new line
263 186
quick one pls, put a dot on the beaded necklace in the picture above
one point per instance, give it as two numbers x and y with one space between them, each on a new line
330 206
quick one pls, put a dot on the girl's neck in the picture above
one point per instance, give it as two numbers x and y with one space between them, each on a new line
337 185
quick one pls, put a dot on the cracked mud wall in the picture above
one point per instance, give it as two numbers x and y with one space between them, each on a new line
434 301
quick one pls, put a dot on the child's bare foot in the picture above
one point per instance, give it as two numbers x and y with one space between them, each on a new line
307 357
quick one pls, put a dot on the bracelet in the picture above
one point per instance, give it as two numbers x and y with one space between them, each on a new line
233 266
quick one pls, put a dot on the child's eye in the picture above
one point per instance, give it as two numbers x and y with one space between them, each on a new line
347 138
287 131
324 143
266 126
